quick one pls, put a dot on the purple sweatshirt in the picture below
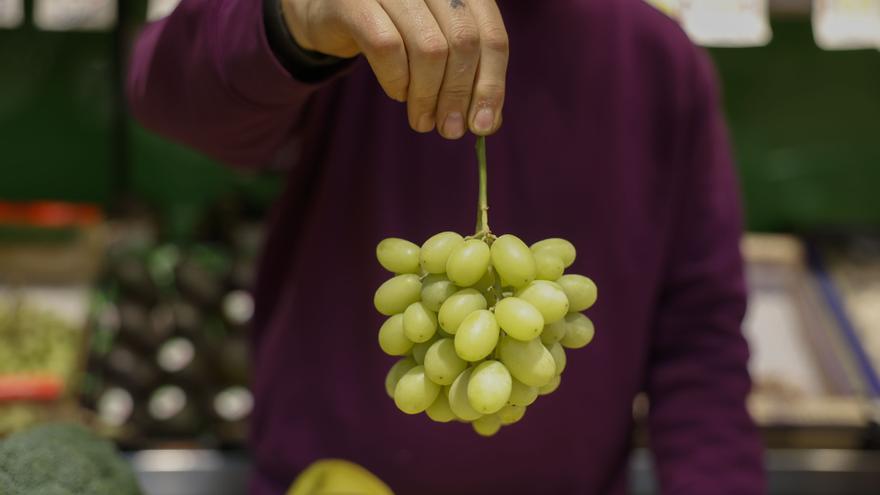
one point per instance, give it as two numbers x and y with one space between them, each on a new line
612 138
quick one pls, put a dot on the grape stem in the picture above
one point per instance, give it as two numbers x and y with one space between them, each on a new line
483 230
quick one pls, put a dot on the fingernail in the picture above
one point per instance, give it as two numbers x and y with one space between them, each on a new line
453 127
426 122
484 120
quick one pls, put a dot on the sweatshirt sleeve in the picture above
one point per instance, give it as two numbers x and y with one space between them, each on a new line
701 434
206 76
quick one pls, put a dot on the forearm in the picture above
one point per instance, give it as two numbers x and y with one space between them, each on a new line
206 76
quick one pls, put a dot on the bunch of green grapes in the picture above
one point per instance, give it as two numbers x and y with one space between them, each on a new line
481 324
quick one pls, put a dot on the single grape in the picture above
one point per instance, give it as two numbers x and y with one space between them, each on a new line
521 394
559 247
398 255
420 350
487 425
489 387
435 290
529 362
551 386
458 306
468 262
513 261
519 318
419 323
392 339
458 397
579 331
440 411
547 297
397 293
510 414
414 391
477 335
559 358
442 364
436 250
397 370
580 290
548 266
553 332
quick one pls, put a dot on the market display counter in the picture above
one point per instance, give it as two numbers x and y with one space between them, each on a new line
790 472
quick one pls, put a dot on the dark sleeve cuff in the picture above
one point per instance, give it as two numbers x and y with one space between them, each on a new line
304 65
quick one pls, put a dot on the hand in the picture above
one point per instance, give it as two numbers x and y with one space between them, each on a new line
447 59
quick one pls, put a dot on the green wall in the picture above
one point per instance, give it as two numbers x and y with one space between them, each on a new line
805 124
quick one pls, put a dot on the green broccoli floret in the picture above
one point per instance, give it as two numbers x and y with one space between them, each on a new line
63 459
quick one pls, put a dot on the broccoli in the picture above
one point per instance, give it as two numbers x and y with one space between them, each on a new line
63 459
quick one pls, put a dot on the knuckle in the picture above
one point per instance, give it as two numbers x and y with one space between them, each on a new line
456 94
433 47
385 43
491 91
495 39
464 38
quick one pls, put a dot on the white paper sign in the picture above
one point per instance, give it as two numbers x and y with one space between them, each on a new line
11 13
846 24
158 9
726 22
75 15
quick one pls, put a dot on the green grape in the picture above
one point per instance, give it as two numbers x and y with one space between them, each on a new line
519 318
397 293
559 247
458 306
414 391
580 290
419 323
440 411
510 414
468 262
392 339
436 250
420 350
477 335
559 358
579 331
398 255
435 290
521 394
487 425
397 370
548 266
489 387
529 362
442 364
551 386
513 260
547 297
553 332
458 397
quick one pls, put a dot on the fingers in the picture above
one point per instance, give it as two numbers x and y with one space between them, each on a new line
486 103
378 38
463 39
427 49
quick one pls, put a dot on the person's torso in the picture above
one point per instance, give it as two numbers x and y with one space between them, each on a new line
588 152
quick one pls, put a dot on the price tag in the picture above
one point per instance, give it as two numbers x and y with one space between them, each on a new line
11 13
158 9
75 15
846 24
727 22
